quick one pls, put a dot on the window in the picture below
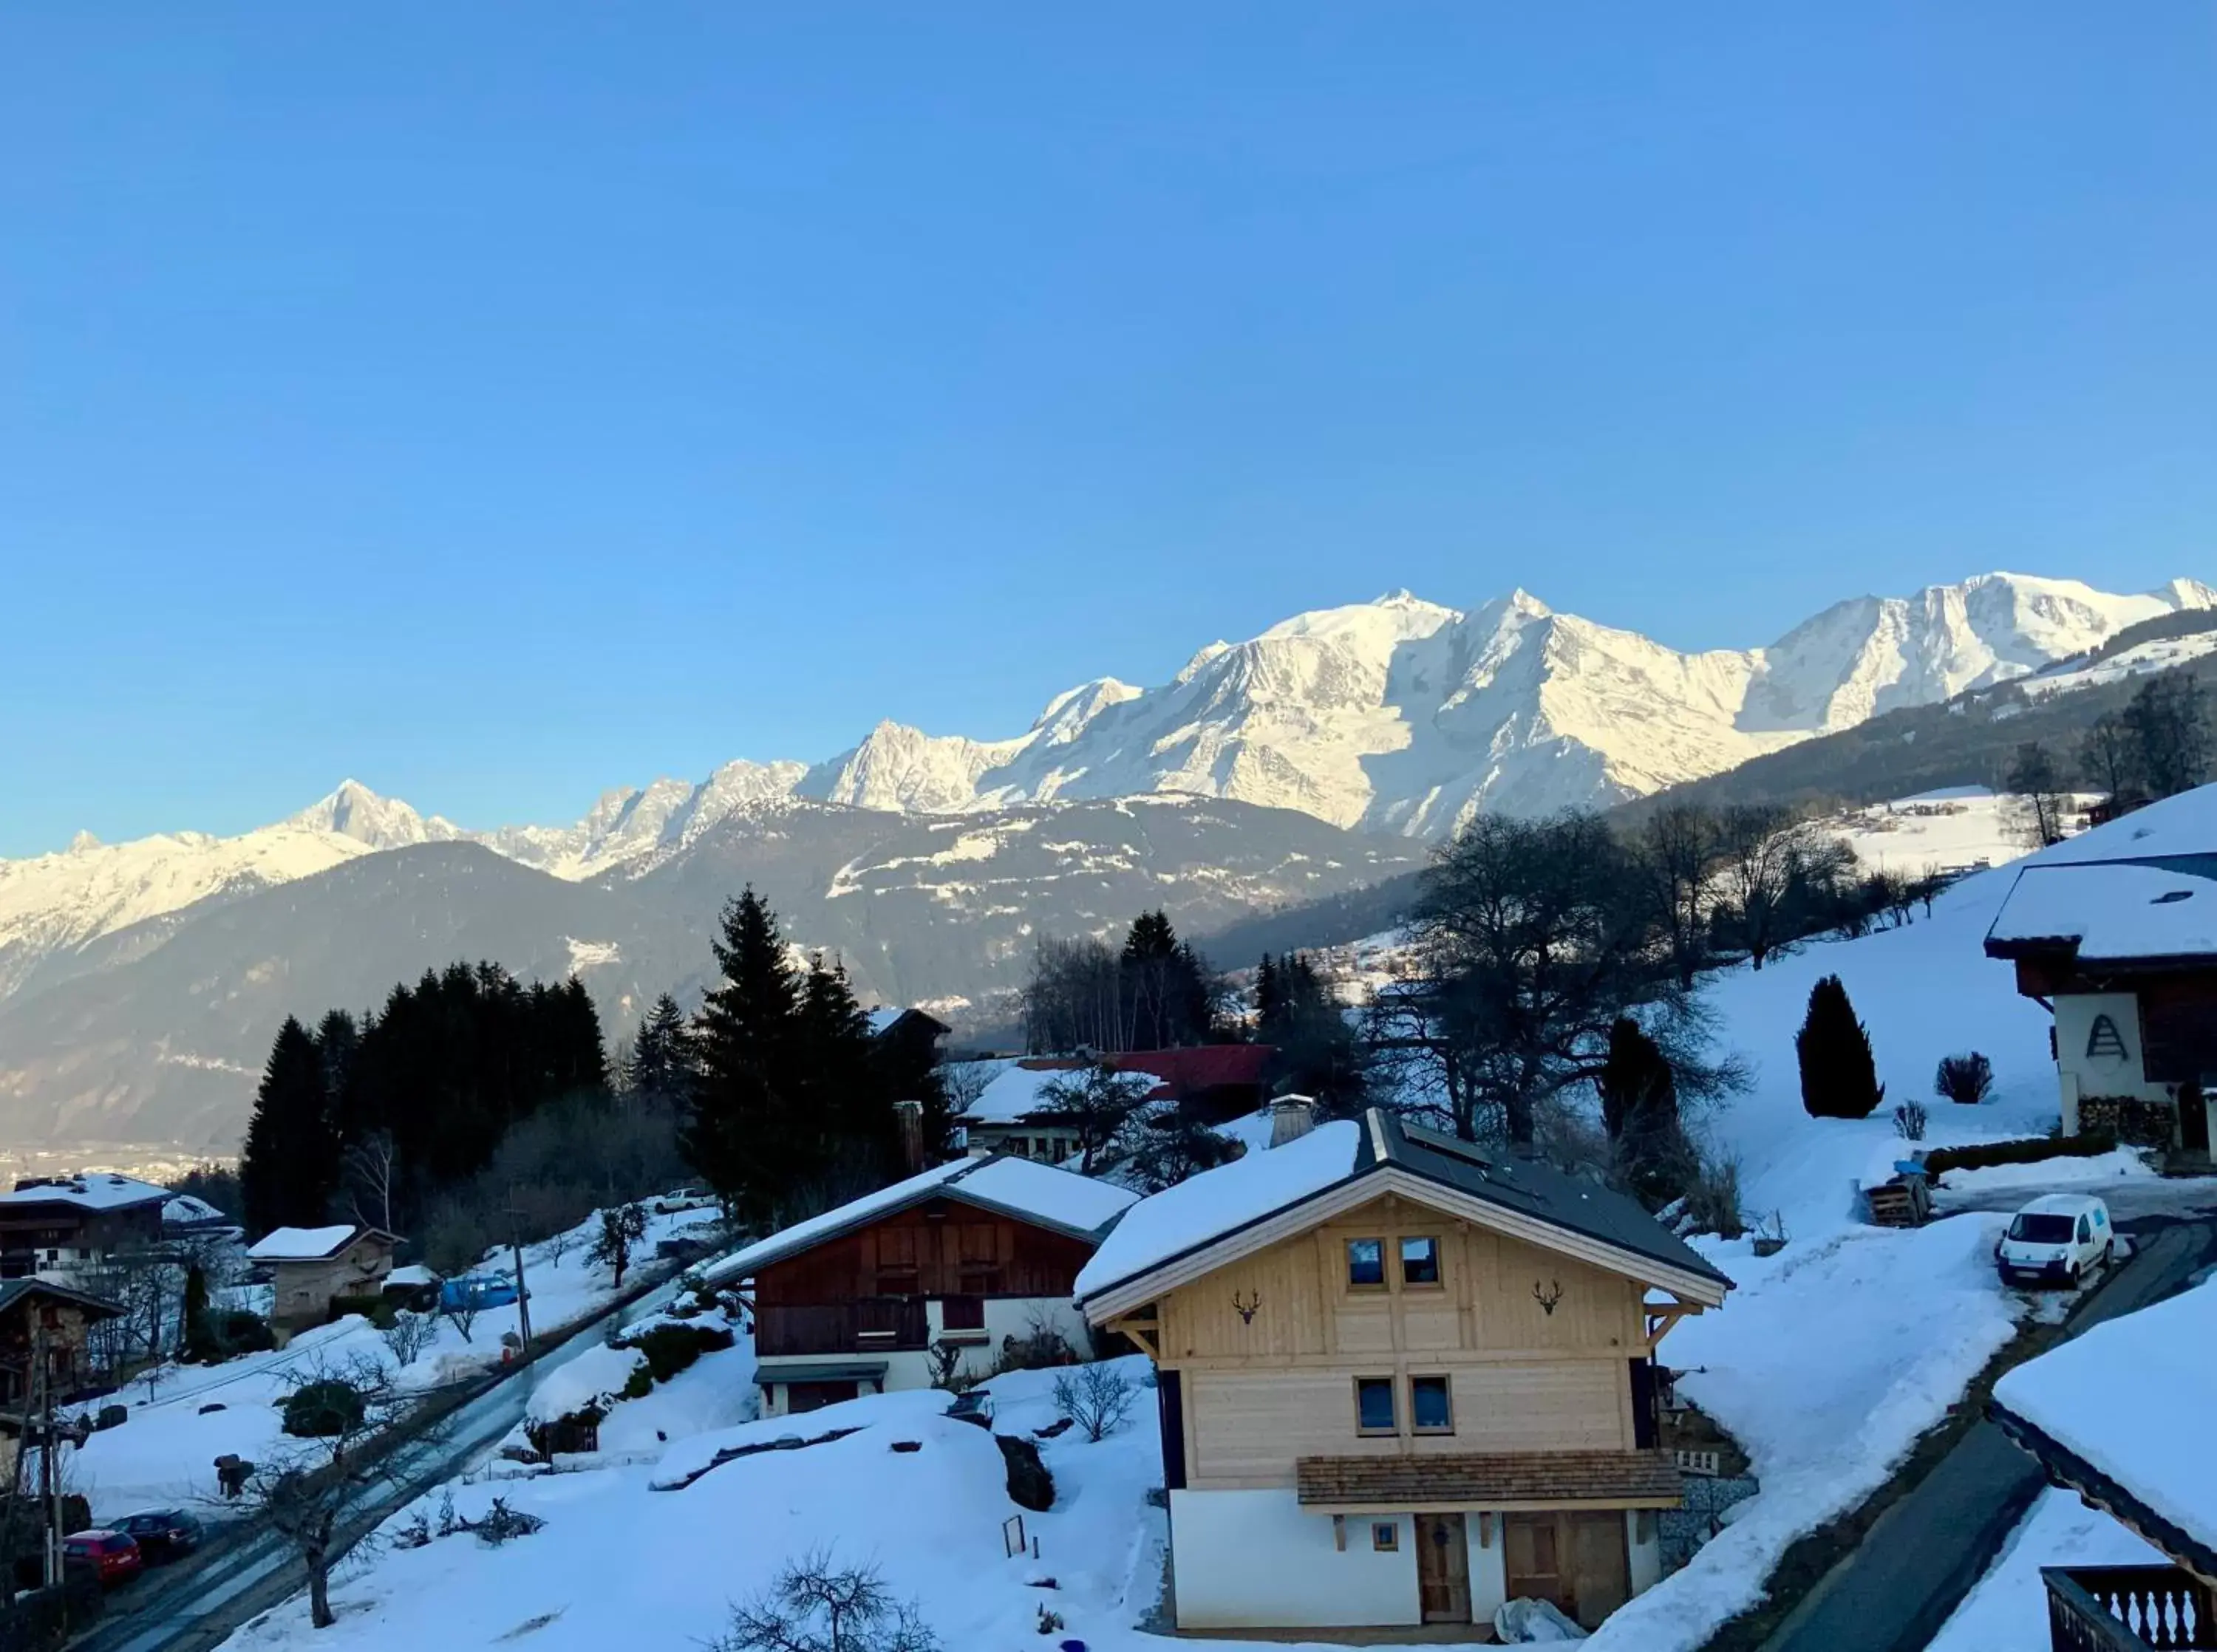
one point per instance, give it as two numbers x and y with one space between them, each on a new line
1420 1262
1373 1405
1430 1409
2085 1230
1386 1535
963 1313
1366 1262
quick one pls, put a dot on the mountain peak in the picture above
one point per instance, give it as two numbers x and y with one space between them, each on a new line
352 809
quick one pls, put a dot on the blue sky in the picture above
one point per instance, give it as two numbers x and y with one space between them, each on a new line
499 403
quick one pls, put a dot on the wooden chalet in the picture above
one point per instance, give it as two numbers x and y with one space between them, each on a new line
949 1266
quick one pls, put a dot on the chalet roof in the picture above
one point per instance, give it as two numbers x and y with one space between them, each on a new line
885 1019
1041 1194
312 1244
1327 1167
1014 1092
2121 1413
1493 1480
14 1291
2140 889
97 1191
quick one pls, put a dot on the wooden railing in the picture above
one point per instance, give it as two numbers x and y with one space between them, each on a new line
875 1324
2127 1609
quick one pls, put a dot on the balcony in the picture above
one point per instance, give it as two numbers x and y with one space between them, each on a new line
874 1325
2127 1609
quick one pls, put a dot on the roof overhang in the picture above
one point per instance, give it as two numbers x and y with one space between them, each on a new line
816 1368
1510 1482
2103 1491
1375 1182
952 1189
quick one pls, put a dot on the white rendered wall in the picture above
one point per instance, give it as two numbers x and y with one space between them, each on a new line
2100 1076
1257 1560
1489 1566
1647 1554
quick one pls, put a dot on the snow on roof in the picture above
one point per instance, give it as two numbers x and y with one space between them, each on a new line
2185 824
1069 1199
2112 909
2130 1398
414 1274
301 1245
1014 1093
100 1191
1037 1193
1213 1202
184 1209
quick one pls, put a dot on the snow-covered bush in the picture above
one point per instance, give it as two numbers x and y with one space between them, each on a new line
1096 1397
409 1334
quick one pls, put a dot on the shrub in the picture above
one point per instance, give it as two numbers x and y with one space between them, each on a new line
1096 1397
670 1347
1909 1121
1713 1200
328 1407
240 1332
2026 1150
2131 1120
1030 1485
1965 1078
814 1606
1839 1076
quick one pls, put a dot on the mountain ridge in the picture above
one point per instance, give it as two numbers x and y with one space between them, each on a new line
1399 715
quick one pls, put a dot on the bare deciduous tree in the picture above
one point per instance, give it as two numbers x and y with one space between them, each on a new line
1096 1397
1099 1104
304 1490
2036 804
816 1607
371 1165
623 1226
410 1335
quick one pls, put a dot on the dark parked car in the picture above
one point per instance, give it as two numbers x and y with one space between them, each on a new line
162 1533
115 1554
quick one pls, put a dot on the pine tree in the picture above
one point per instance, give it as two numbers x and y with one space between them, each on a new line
660 1069
1839 1076
1269 997
842 1112
290 1167
201 1346
1639 1110
740 1133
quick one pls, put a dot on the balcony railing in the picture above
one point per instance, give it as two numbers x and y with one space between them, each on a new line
875 1324
2127 1609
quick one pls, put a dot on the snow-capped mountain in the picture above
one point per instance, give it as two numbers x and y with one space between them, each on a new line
1398 715
1406 716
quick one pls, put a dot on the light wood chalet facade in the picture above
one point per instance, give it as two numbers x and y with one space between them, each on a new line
2115 931
311 1268
1400 1380
955 1262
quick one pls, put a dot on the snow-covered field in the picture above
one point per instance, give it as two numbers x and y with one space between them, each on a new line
165 1454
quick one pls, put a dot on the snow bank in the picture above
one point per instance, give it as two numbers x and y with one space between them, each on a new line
2130 1397
2009 1607
595 1377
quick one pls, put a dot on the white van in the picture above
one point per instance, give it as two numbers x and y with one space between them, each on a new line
2058 1239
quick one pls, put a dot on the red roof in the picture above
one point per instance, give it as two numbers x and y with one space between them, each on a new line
1201 1067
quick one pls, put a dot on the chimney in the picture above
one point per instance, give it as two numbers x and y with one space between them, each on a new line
909 1116
1292 1117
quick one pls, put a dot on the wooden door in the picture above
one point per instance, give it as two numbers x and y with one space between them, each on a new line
1600 1565
1532 1557
1442 1569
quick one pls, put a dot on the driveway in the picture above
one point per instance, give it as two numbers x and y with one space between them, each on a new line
1922 1556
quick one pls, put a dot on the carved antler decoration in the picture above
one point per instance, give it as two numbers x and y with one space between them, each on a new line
1247 1308
1550 1296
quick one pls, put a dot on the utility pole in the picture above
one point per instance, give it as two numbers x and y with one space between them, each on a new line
522 1299
50 1542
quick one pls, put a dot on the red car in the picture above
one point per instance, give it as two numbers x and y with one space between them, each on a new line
115 1553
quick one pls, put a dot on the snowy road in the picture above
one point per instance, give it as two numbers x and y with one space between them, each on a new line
192 1607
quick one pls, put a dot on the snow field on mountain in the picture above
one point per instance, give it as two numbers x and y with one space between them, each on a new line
165 1454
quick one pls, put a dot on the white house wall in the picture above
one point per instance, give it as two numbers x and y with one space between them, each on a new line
1258 1560
2083 1076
